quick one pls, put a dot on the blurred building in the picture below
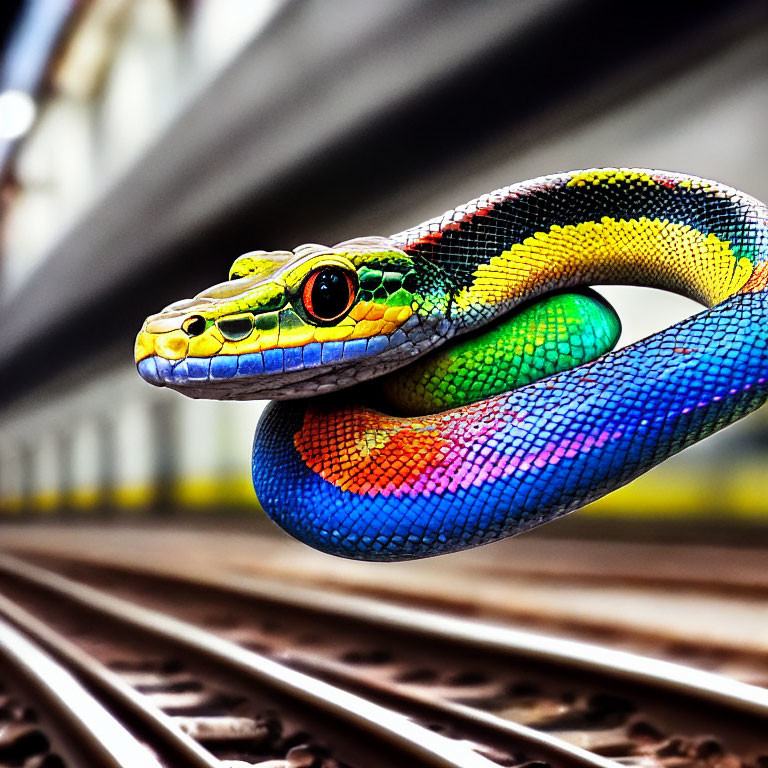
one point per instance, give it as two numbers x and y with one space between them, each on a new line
164 138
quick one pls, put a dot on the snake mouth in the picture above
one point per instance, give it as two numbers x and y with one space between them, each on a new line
221 377
286 373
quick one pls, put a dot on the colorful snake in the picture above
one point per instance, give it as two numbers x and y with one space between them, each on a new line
439 389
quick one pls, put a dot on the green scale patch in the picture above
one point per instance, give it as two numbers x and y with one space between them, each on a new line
554 334
393 287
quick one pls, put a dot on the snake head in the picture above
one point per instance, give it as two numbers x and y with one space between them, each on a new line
298 323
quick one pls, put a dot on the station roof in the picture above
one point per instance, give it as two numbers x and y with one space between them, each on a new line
370 106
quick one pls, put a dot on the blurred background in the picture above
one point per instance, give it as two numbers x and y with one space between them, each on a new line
144 144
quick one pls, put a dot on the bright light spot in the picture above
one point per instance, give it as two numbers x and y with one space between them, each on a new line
17 112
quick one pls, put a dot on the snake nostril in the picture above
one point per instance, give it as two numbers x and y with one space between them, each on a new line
194 325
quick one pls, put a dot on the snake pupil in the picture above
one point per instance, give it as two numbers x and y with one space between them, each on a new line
328 294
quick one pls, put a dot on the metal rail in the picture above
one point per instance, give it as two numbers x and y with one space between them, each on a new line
167 735
98 736
385 725
481 636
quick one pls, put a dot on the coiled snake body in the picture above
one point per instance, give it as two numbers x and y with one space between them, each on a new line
455 312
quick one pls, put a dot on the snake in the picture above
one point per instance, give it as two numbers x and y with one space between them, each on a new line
458 382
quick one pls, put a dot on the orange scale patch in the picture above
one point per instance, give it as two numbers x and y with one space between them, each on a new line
367 452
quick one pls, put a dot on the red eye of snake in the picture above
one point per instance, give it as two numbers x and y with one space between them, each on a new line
328 294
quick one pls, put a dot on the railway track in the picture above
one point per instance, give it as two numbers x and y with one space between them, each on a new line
207 667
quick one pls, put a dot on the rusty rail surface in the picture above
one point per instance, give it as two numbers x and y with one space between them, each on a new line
160 643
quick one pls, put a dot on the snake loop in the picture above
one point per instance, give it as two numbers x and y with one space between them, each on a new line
351 480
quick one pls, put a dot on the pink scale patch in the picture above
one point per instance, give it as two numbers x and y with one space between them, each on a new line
371 454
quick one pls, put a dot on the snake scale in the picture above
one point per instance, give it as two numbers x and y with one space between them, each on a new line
452 384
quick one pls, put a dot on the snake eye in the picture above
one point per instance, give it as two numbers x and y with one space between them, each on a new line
194 325
235 327
328 294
